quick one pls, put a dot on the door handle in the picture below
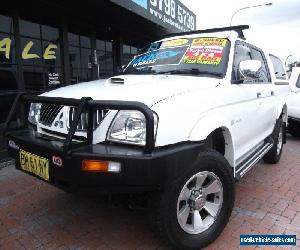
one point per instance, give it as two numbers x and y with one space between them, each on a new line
272 92
258 94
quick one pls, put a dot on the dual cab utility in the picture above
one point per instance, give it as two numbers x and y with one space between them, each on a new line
293 102
188 116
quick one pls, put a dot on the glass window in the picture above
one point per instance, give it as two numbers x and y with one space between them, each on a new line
80 58
85 42
8 78
278 68
56 51
50 33
109 46
85 57
264 74
101 62
109 64
11 48
34 78
30 29
86 74
128 53
6 24
73 39
37 38
34 53
53 76
75 75
126 49
8 68
74 54
190 59
100 45
134 50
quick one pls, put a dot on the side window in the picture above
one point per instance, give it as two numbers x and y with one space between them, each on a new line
278 68
264 73
298 82
242 52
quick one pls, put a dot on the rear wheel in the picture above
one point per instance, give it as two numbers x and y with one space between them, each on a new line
273 156
193 211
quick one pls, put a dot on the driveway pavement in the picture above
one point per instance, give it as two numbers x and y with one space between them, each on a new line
34 215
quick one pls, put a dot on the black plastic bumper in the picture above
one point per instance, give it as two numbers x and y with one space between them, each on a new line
140 171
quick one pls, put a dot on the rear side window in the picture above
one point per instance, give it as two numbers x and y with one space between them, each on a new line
278 68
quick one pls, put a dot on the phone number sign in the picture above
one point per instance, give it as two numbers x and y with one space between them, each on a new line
170 14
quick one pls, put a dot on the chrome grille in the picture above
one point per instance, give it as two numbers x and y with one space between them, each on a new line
48 113
99 115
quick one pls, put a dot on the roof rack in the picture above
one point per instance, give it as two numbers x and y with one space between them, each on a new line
238 29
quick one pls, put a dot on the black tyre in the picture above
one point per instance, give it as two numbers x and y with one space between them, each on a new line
192 211
294 128
273 156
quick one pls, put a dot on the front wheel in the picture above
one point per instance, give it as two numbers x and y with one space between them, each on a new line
193 211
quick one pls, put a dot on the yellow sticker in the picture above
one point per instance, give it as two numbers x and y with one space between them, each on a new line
210 41
175 43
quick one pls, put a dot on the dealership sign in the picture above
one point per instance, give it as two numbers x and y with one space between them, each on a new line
171 14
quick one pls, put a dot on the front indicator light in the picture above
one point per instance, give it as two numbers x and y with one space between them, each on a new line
101 166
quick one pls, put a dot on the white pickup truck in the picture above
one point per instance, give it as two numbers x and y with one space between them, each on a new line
293 102
187 116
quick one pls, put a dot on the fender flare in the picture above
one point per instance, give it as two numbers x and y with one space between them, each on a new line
199 132
282 110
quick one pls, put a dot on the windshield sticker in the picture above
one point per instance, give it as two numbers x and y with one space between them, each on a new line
175 43
203 56
208 51
210 41
170 56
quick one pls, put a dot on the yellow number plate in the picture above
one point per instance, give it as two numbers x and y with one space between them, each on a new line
34 164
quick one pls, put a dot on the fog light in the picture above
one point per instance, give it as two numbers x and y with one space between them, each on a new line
101 166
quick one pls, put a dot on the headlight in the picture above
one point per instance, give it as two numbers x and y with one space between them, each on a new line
130 127
34 113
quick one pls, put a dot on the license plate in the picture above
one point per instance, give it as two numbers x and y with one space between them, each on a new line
34 164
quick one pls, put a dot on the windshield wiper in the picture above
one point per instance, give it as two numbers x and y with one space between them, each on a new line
192 71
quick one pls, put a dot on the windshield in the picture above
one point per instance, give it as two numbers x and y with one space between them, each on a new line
192 56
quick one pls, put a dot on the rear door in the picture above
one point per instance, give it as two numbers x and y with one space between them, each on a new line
266 94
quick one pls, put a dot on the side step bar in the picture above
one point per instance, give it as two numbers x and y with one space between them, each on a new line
253 159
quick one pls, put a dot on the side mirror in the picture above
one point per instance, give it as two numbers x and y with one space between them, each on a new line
250 69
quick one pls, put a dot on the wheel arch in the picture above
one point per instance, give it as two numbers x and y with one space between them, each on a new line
205 128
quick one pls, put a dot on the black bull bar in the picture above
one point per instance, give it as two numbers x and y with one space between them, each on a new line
85 104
